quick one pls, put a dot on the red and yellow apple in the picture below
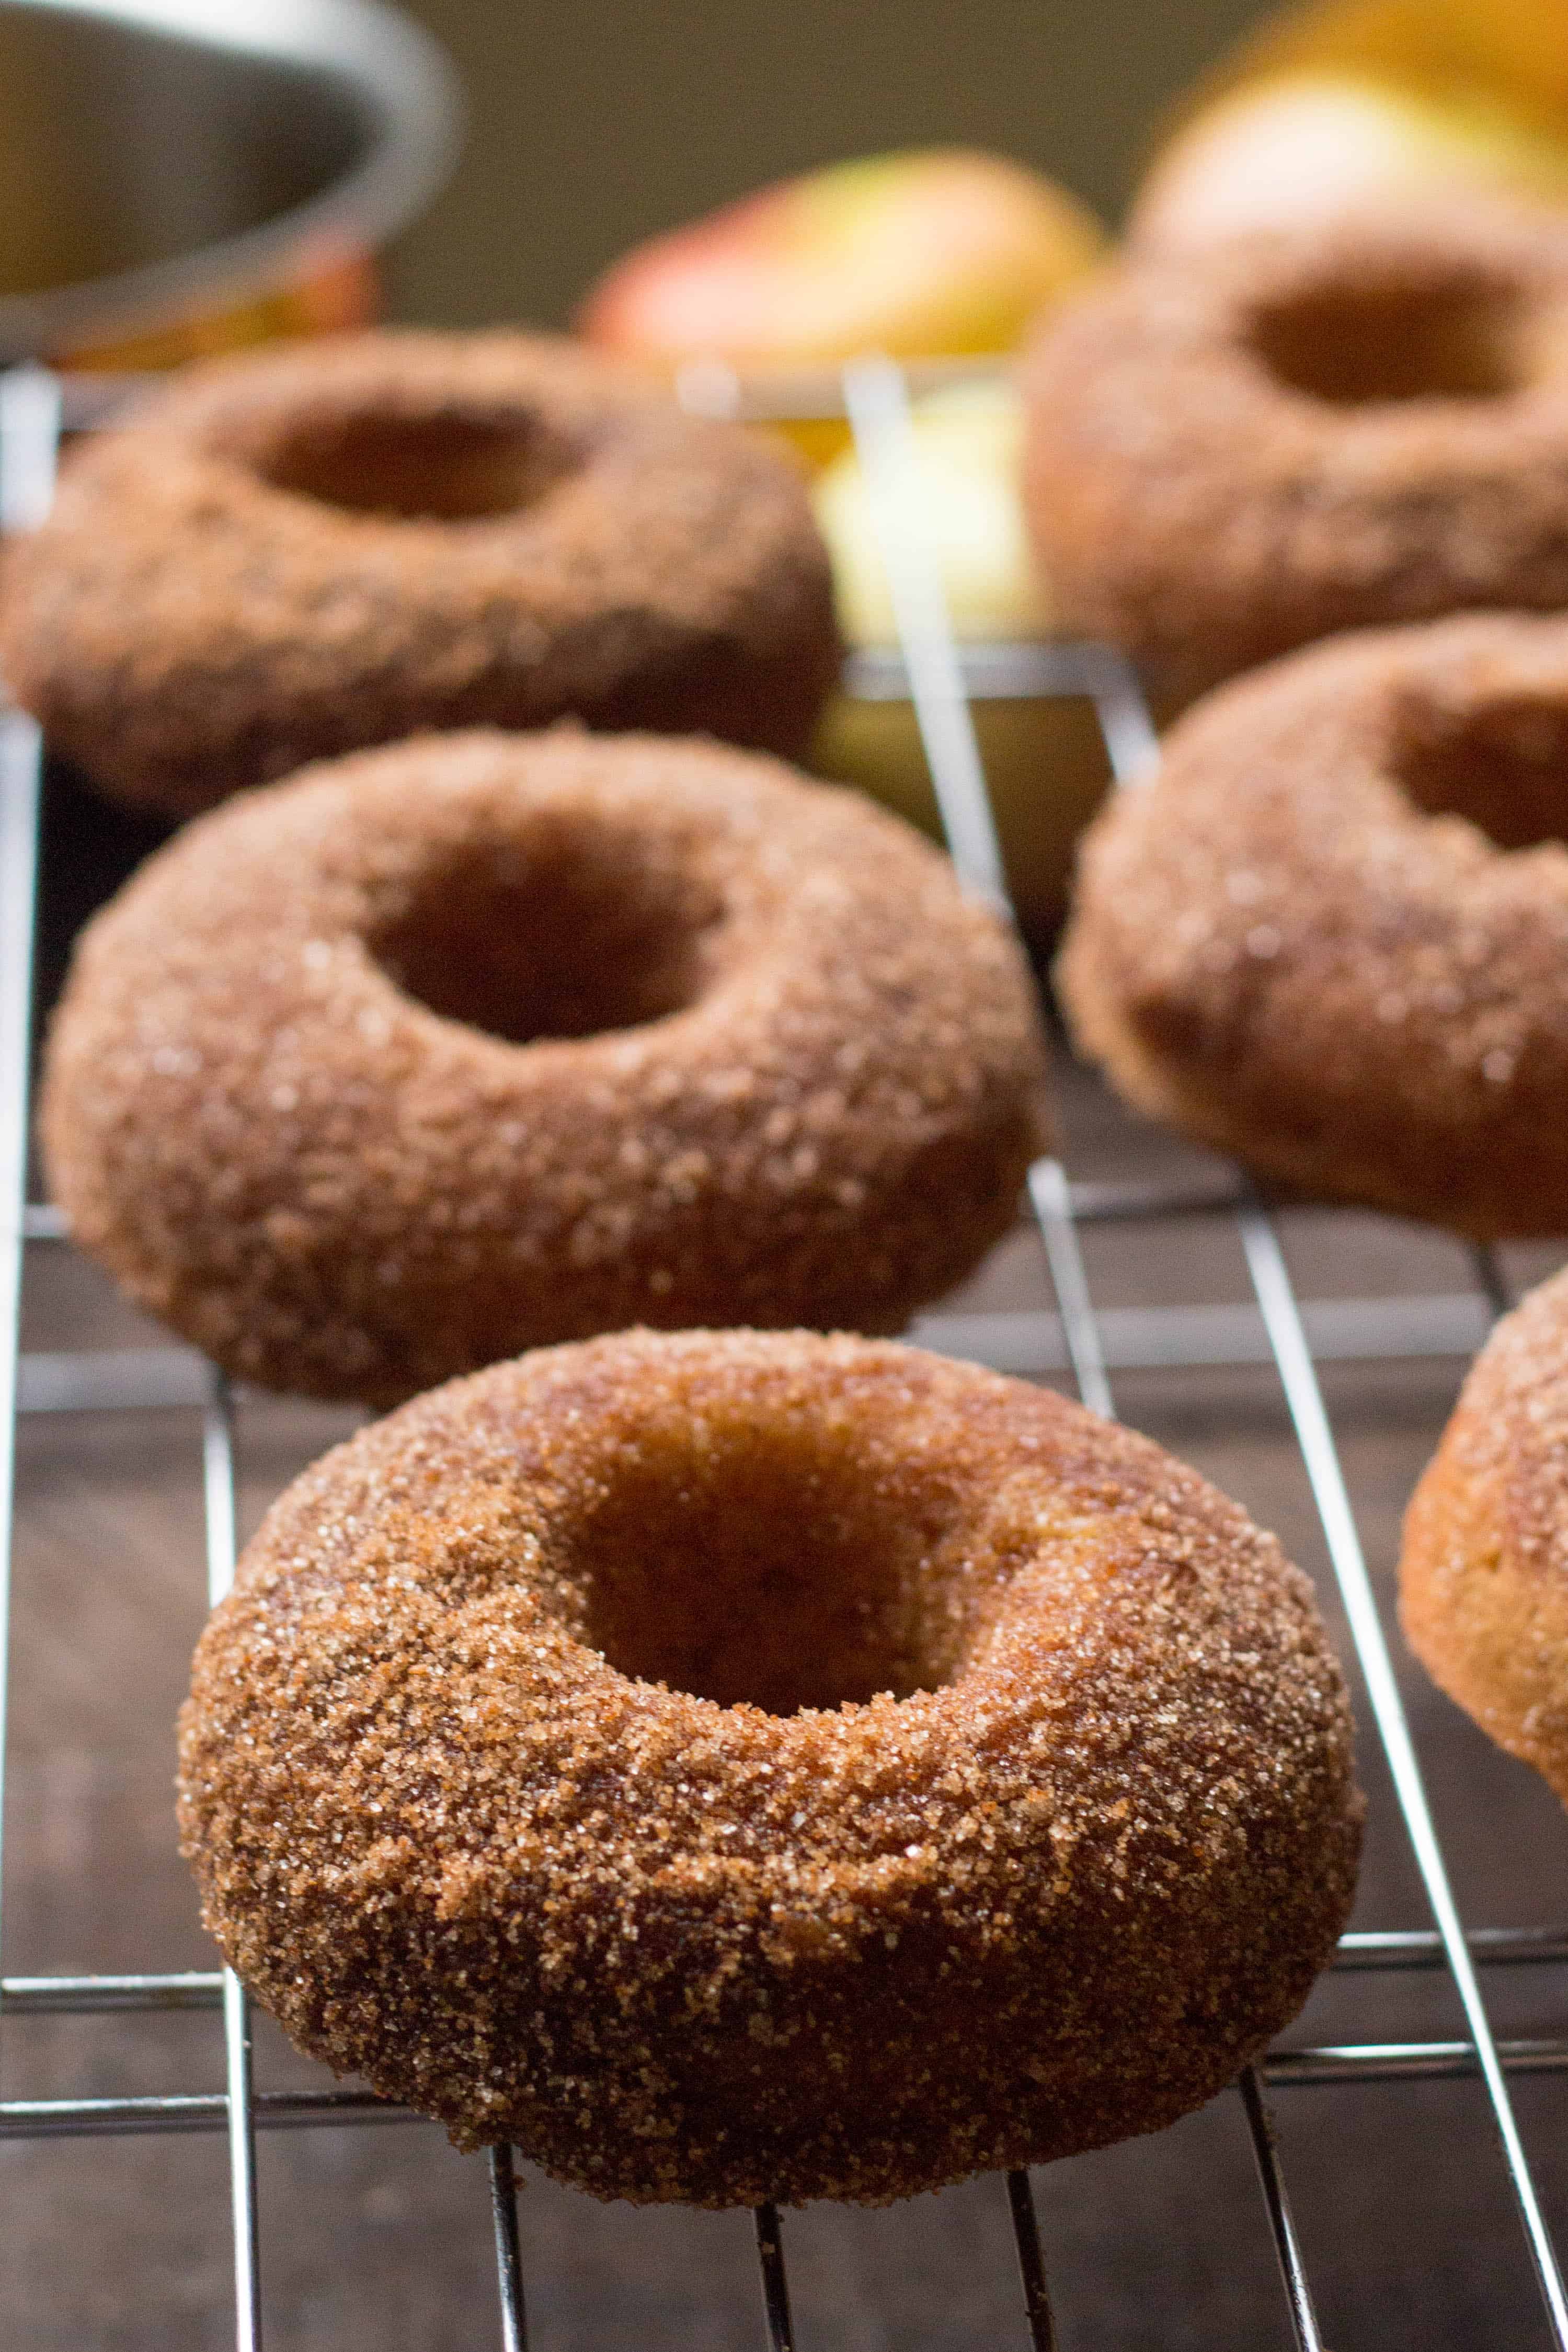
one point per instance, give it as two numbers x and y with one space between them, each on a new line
939 250
936 252
1045 762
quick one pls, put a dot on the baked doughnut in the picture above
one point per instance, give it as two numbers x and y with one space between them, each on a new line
1332 936
738 1765
1483 1577
299 552
1228 456
480 1041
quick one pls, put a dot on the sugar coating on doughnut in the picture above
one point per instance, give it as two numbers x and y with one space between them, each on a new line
1228 455
1304 943
684 1038
734 1765
1483 1576
293 553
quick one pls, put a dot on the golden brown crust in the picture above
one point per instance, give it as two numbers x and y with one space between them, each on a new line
1277 948
1056 1885
1483 1577
194 617
783 1070
1193 503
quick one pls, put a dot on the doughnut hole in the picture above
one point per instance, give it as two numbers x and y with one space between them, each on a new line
767 1566
1504 767
1459 339
565 939
448 466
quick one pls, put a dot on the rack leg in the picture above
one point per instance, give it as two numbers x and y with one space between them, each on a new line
1032 2264
508 2251
775 2284
1490 1279
1271 2180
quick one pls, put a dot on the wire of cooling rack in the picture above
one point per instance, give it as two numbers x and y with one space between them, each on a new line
219 1506
29 436
941 680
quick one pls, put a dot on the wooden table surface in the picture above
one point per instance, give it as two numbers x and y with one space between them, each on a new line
380 2236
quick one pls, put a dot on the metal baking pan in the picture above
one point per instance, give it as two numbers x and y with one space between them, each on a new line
180 175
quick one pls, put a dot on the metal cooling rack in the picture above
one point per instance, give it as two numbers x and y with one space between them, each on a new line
940 680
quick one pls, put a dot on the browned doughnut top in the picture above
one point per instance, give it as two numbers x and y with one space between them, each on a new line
1483 1578
1229 455
738 1765
1281 948
296 553
679 1038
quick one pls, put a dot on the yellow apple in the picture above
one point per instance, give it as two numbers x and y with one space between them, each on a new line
1524 44
1515 50
1347 99
935 252
1045 762
1280 153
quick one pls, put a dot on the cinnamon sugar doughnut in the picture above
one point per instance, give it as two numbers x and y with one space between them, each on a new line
1332 937
733 1766
1229 454
298 551
480 1041
1483 1578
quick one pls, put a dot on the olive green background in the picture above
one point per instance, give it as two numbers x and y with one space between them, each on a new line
590 127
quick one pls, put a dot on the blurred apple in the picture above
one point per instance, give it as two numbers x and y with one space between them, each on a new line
938 250
1512 50
1525 44
1338 102
1045 762
934 252
1283 153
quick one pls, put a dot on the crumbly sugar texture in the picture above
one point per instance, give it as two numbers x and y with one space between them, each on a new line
1228 456
480 1041
1483 1577
295 552
1331 937
735 1765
